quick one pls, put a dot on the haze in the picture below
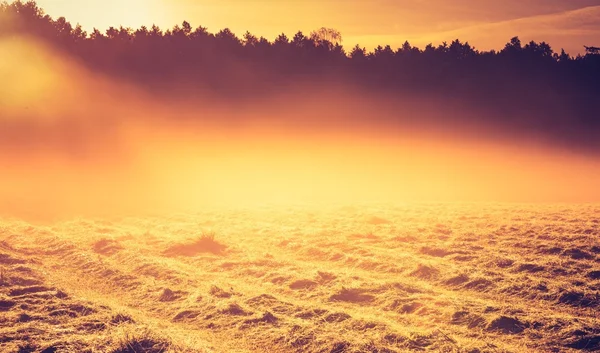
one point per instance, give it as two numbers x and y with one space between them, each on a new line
78 143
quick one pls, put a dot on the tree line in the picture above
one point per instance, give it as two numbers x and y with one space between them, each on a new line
517 79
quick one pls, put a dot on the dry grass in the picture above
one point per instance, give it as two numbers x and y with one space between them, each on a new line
144 341
205 243
443 278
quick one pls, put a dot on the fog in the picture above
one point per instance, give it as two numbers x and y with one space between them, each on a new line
76 143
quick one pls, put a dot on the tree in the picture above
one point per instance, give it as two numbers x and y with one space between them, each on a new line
540 50
385 53
592 50
281 40
358 53
227 36
63 28
460 50
327 38
78 34
326 34
562 57
249 40
299 40
96 35
513 47
186 28
156 32
429 49
200 32
263 44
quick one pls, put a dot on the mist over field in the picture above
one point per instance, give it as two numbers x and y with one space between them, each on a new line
103 145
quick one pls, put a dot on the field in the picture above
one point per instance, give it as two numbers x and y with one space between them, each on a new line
374 278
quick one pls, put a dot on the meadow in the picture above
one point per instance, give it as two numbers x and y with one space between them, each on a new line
363 278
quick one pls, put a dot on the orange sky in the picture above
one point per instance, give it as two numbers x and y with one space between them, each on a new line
485 23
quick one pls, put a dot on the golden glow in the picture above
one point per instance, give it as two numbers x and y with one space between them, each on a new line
83 143
383 272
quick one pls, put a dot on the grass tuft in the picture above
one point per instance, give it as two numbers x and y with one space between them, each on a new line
206 243
142 341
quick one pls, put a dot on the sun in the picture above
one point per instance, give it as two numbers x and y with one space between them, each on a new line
103 14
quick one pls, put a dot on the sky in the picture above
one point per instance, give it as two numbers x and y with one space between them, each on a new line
486 24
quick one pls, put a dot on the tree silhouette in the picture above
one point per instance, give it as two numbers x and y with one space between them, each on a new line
509 81
326 35
358 53
592 50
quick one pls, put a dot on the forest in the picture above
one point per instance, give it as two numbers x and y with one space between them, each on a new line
529 84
